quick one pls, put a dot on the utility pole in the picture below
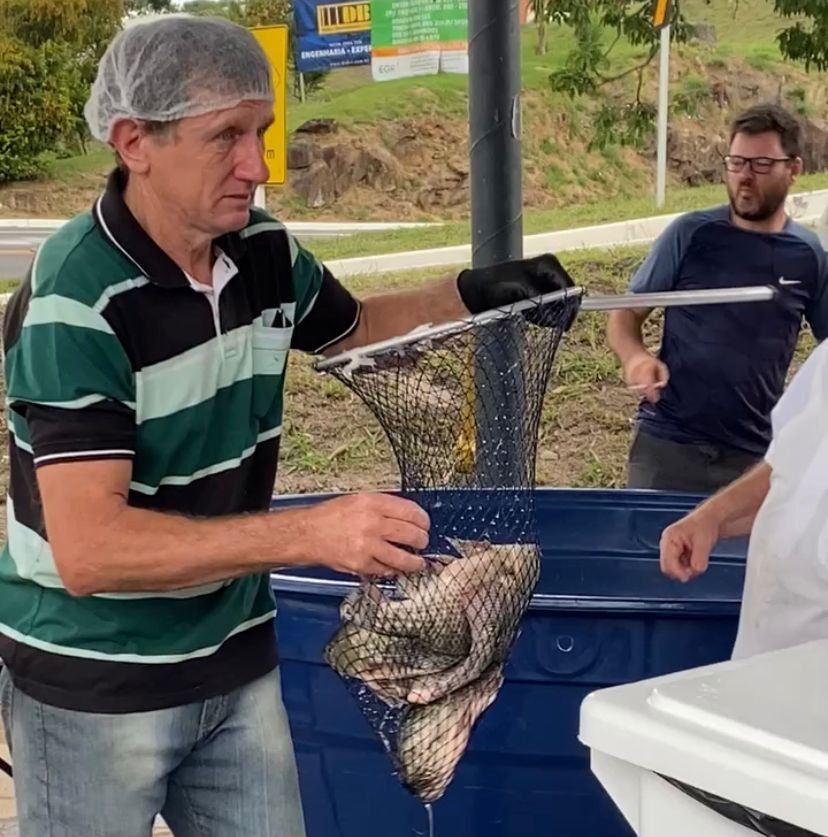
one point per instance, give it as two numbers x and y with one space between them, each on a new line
492 413
494 131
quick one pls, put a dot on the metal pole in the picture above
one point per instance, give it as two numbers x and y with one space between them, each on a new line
494 131
663 86
589 302
493 410
670 299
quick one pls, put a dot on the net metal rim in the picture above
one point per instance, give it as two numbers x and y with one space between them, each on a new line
356 356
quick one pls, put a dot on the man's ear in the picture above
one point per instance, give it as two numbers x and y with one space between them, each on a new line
796 167
130 141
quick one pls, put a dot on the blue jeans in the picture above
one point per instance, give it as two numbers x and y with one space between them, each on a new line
220 768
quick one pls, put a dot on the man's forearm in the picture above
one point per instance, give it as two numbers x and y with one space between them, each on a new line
624 333
735 508
393 314
140 550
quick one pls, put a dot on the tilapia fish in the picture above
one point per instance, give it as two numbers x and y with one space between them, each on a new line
445 627
429 608
493 583
386 664
433 738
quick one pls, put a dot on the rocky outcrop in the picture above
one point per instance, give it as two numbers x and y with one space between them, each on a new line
321 174
315 185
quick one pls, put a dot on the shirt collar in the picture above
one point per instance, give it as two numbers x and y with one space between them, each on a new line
123 231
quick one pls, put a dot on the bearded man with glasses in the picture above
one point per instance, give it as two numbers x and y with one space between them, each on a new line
706 399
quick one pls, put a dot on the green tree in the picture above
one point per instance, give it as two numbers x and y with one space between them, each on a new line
76 24
806 40
631 119
76 32
35 108
143 6
245 12
546 12
587 66
231 9
267 12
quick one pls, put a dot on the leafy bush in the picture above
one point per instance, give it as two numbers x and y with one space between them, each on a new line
35 106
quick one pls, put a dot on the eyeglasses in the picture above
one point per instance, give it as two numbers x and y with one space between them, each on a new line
758 165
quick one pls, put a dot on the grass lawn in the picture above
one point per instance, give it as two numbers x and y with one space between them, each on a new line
539 220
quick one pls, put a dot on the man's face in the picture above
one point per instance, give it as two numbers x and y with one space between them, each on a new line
757 196
209 167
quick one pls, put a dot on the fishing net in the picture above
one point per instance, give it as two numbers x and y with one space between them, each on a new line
424 655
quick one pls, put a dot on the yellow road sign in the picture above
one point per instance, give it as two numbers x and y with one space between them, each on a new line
274 41
661 13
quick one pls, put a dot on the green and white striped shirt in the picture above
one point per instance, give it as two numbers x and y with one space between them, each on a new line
111 351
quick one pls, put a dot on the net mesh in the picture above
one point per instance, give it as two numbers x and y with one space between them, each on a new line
424 655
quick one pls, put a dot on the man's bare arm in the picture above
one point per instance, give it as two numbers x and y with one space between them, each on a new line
624 332
735 507
473 291
644 373
392 314
101 544
686 545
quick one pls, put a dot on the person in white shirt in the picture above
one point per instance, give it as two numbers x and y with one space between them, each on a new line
782 503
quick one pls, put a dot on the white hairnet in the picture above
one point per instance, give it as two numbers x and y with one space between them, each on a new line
176 66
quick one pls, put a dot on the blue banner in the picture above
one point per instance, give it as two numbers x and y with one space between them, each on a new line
331 34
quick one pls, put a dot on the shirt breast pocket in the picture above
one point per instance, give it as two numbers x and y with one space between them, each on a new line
270 347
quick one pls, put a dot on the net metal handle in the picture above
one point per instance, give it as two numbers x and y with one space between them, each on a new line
445 329
598 302
667 299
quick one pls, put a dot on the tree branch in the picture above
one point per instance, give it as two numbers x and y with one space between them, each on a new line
640 83
612 45
638 68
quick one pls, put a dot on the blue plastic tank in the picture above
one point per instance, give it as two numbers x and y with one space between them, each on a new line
602 614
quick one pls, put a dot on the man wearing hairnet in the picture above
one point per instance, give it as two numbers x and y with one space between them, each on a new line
144 360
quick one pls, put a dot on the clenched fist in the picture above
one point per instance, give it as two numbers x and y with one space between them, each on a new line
686 546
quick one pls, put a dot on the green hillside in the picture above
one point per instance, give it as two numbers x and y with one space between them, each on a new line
566 181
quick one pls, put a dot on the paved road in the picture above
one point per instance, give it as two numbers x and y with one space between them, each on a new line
16 251
17 246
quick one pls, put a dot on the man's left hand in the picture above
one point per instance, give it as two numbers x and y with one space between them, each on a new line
495 286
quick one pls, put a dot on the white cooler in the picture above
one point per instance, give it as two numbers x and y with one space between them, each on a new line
753 732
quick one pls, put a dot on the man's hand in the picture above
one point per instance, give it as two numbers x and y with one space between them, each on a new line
484 288
646 375
365 534
686 545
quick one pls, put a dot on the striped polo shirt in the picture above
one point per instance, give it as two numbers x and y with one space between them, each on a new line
112 351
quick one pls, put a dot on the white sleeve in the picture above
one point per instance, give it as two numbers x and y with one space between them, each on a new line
807 391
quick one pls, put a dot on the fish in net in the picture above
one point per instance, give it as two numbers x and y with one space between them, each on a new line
424 655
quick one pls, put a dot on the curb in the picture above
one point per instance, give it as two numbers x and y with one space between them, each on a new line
52 224
806 208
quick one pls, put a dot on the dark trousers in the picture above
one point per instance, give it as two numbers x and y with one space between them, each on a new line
673 466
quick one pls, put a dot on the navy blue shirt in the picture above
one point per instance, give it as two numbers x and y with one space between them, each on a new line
728 362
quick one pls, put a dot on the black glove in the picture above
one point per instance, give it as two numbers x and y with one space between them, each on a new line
484 288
